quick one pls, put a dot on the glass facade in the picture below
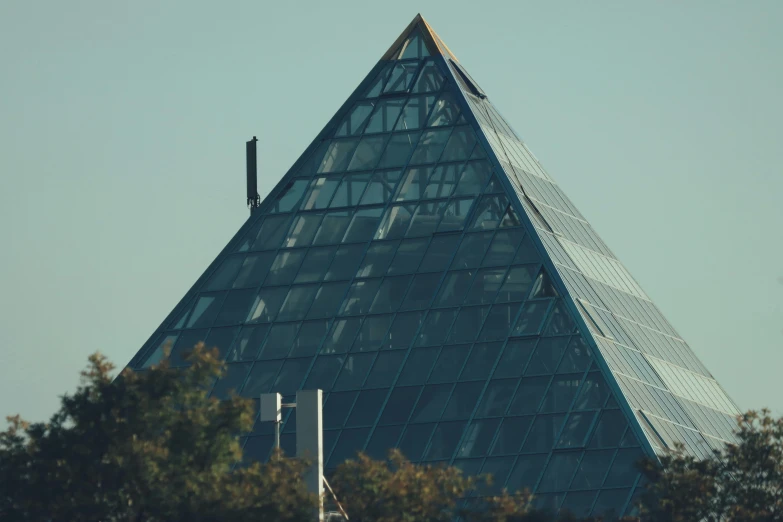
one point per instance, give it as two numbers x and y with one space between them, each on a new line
419 265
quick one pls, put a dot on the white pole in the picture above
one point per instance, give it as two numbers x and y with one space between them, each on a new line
309 442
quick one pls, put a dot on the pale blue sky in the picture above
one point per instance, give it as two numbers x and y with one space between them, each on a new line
122 129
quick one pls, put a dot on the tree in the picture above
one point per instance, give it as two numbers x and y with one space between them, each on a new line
741 482
397 490
147 447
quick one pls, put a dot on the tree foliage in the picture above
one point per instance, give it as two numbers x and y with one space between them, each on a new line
146 447
742 482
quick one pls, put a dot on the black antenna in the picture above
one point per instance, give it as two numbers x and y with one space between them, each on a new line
253 199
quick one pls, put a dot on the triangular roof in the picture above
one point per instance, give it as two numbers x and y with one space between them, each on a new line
419 265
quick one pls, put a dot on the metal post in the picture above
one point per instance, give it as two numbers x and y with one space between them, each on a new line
309 442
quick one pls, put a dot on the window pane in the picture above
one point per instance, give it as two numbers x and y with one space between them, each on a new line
303 230
377 84
591 471
385 116
473 178
248 343
543 287
468 324
349 443
289 196
610 502
414 47
377 259
399 149
499 469
261 378
517 283
435 327
526 472
415 439
477 438
455 214
421 291
559 472
401 76
575 430
279 340
444 440
486 285
266 305
222 278
503 247
341 335
542 434
320 193
489 213
439 253
609 429
460 144
560 321
352 125
309 339
561 393
363 225
430 79
449 364
547 356
297 302
482 359
529 394
390 294
254 270
472 250
417 367
399 405
408 256
284 267
291 375
205 310
511 435
577 357
345 262
442 181
403 330
413 184
624 469
372 333
366 409
454 287
354 371
333 227
337 408
415 113
594 392
498 323
235 307
531 317
385 370
360 297
350 190
515 356
323 373
327 300
383 439
271 233
395 222
316 263
463 400
220 338
381 187
368 153
446 111
496 397
430 146
527 252
431 403
337 155
426 218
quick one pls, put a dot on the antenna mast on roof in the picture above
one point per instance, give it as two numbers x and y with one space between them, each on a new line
253 199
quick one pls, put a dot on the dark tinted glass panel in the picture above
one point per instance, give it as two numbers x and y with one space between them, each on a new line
235 307
561 393
543 287
559 471
610 503
333 227
517 283
354 371
205 310
415 439
455 286
498 469
446 111
381 187
529 394
592 469
489 212
354 122
443 180
439 252
366 409
399 149
463 400
266 305
372 333
291 375
471 250
324 372
543 433
349 443
400 404
303 230
376 260
593 394
254 270
350 191
426 218
395 222
327 300
415 113
360 297
431 403
185 344
417 367
315 265
336 409
473 178
609 429
247 344
279 341
511 435
559 322
385 370
341 336
450 363
297 303
430 79
444 440
460 144
368 153
220 338
498 322
261 378
225 274
624 469
482 359
496 397
390 294
309 338
435 327
403 330
284 267
320 193
402 75
547 356
576 429
478 437
363 225
430 146
576 358
413 184
530 318
408 256
383 439
468 324
231 381
289 196
421 291
385 116
515 357
455 214
345 262
337 156
526 472
504 246
271 233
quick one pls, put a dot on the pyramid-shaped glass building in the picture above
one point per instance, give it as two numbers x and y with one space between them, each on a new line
419 265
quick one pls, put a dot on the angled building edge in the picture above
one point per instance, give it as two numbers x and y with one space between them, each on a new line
419 265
